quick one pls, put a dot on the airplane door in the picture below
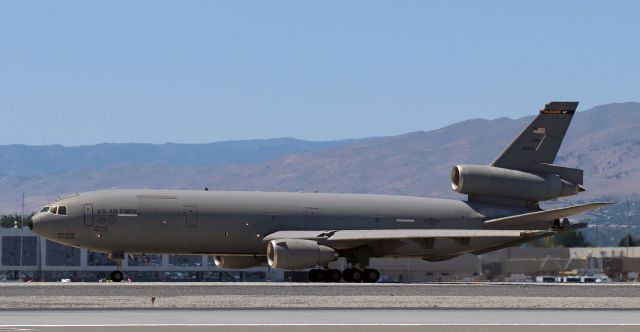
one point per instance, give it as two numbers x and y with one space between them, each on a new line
88 214
191 216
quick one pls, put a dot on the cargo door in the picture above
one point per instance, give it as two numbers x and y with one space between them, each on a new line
87 214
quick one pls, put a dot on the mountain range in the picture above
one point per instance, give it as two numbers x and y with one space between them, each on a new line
604 141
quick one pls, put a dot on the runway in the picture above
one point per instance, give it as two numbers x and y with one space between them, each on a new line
321 296
321 289
319 320
248 307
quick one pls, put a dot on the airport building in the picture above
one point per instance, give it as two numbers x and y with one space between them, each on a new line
47 260
42 259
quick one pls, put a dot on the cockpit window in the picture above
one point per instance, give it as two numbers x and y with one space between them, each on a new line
62 210
54 209
45 209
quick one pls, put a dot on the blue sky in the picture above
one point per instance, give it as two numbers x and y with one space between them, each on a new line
81 72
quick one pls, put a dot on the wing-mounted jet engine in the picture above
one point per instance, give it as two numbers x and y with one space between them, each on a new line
297 254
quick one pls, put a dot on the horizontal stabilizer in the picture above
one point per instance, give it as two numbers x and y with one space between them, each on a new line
573 175
540 218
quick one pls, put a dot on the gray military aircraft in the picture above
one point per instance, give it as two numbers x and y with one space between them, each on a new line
297 231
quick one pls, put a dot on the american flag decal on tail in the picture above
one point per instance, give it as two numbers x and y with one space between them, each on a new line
539 130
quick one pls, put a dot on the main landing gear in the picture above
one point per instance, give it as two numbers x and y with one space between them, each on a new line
324 275
348 275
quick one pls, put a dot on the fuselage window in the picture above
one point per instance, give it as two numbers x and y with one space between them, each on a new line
45 209
62 210
54 209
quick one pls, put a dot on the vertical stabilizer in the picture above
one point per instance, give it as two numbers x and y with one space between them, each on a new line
537 146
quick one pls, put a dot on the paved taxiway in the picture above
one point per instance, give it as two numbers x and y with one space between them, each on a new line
320 320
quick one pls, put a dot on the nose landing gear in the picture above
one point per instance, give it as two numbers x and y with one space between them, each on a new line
117 276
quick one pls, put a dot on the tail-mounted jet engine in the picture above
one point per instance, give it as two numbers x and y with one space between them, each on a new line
298 254
237 262
508 183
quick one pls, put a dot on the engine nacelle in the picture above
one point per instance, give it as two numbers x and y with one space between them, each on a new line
238 262
297 254
508 183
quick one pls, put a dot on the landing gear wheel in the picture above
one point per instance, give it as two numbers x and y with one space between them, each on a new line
346 275
352 275
316 275
356 275
312 275
371 275
333 275
116 276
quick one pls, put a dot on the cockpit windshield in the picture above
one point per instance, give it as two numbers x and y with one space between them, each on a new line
59 210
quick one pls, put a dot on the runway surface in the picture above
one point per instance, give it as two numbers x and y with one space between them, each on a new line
319 320
282 307
327 289
325 296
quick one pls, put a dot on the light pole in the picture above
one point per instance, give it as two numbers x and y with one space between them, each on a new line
628 233
21 237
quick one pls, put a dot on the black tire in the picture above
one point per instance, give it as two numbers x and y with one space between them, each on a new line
371 275
311 275
346 275
116 276
322 275
356 275
333 275
316 275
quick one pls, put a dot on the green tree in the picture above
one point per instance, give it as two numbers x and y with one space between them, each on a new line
572 239
9 220
629 239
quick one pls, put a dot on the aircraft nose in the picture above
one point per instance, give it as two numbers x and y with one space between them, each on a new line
35 224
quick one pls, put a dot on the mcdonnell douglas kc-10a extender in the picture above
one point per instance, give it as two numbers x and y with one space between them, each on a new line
297 231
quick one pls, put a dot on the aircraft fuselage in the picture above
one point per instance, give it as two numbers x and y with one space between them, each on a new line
235 223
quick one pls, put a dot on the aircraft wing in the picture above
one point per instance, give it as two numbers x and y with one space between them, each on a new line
540 218
423 238
518 242
333 236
